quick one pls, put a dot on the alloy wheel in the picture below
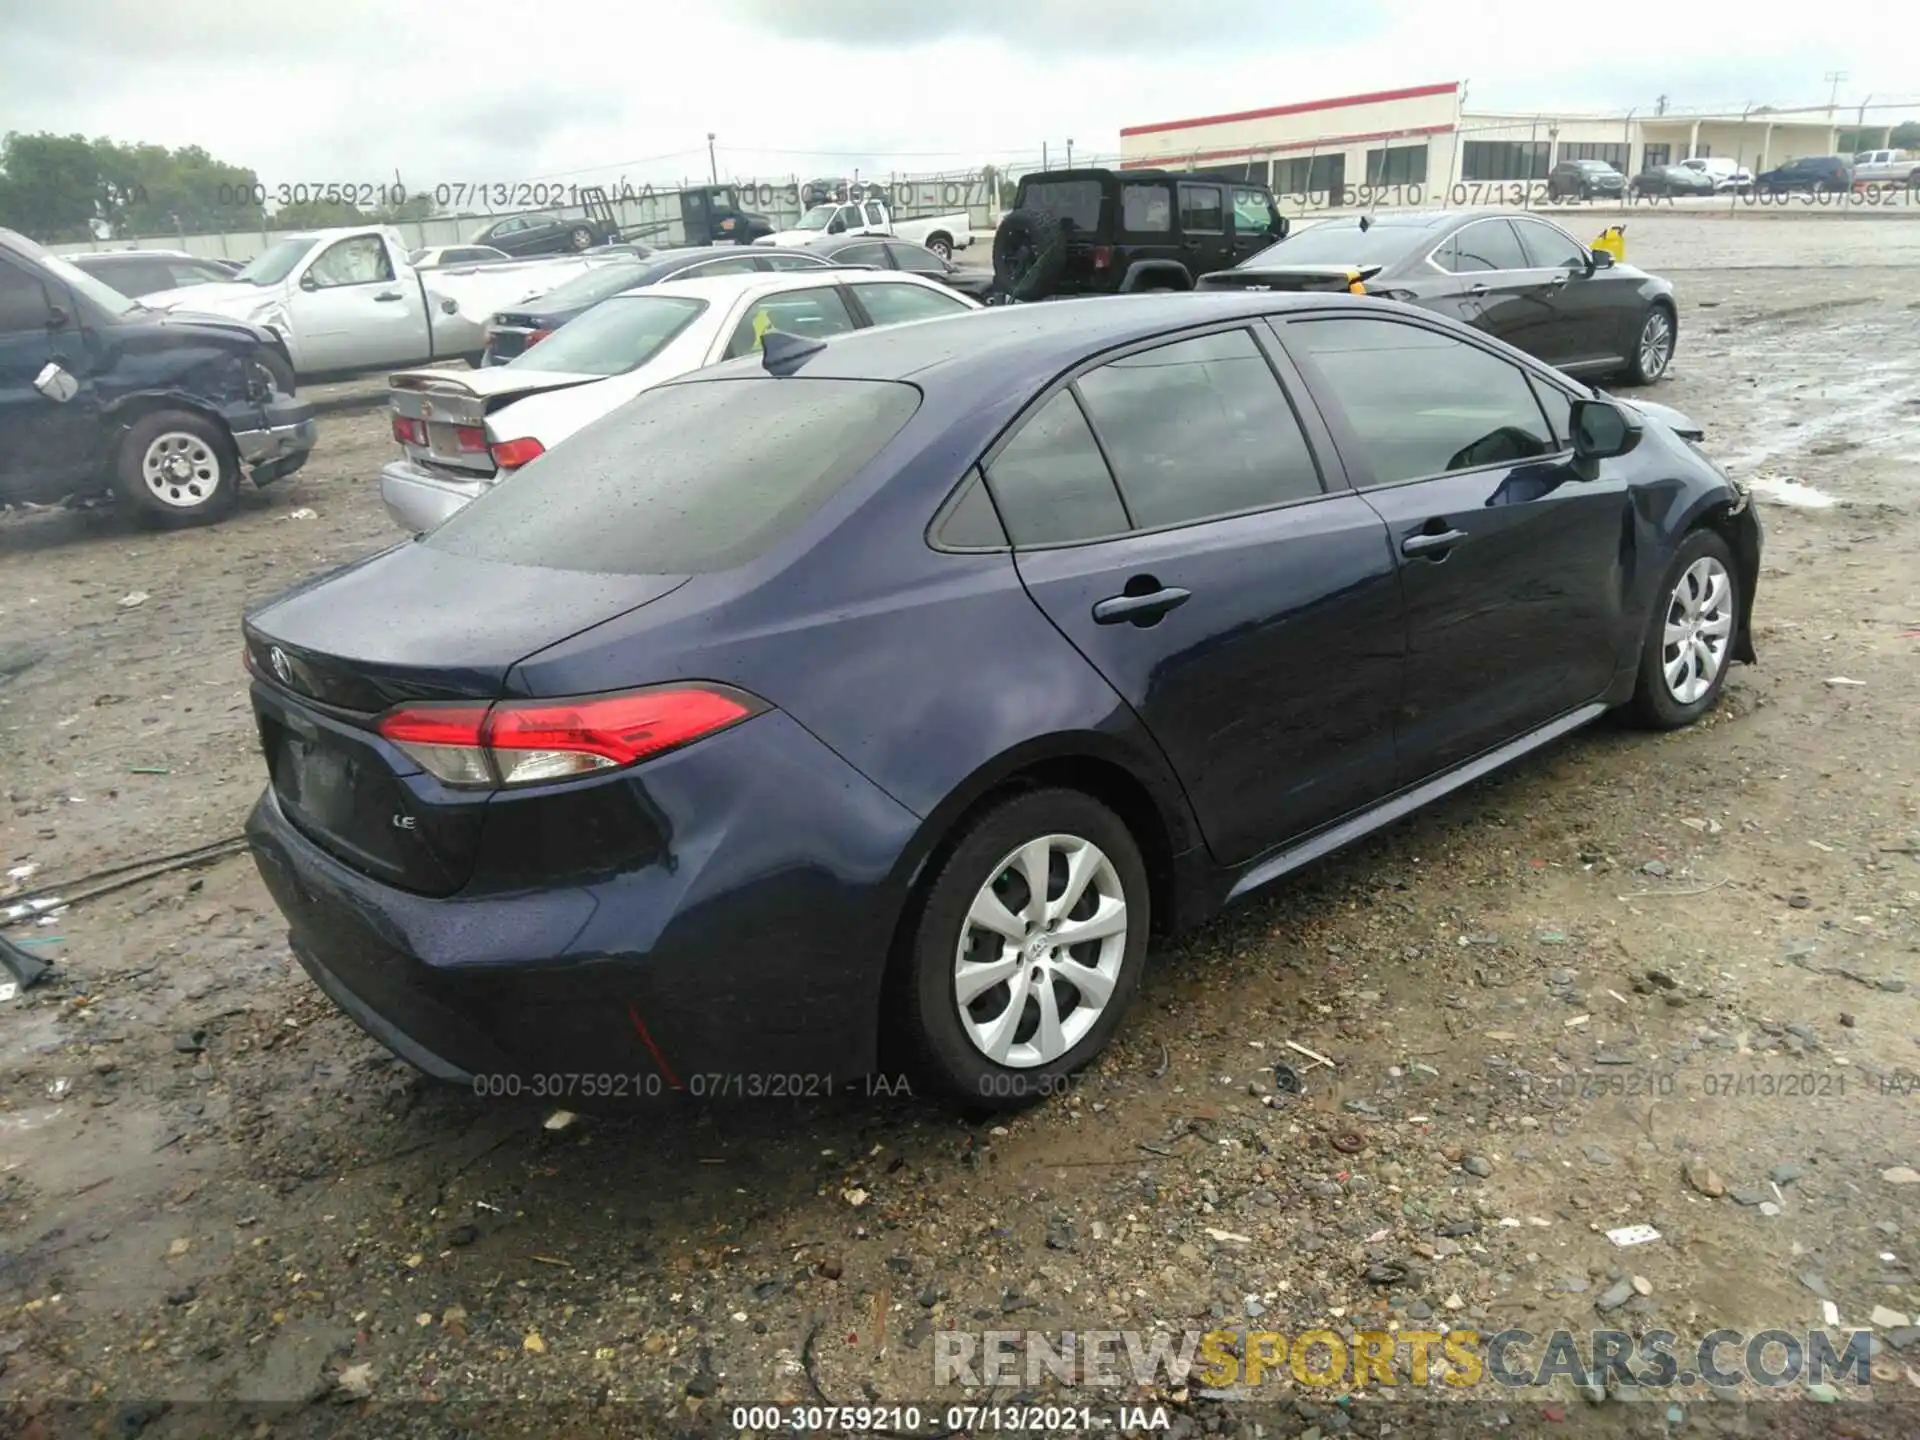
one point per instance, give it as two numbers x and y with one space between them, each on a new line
1656 344
1040 951
180 469
1699 626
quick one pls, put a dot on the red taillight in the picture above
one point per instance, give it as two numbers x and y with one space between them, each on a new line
408 431
511 453
1102 257
470 439
531 742
535 337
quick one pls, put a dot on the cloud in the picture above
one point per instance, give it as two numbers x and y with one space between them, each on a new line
1047 31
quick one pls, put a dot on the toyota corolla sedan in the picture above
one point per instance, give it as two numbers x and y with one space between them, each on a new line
873 702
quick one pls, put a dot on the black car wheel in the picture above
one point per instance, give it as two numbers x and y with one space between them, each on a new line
1653 347
1027 951
1690 635
177 469
580 237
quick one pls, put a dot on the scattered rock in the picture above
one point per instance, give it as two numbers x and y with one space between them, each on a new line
1885 1319
533 1344
184 1294
1817 1283
1785 1174
1614 1296
1596 1155
1655 868
1906 1338
1749 1195
355 1382
1701 1177
935 1292
1477 1165
1060 1234
1901 1175
463 1235
1641 1285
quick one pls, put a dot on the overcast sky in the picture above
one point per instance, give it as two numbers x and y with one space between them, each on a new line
484 91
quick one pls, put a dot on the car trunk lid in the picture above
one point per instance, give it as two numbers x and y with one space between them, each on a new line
440 416
1298 278
329 660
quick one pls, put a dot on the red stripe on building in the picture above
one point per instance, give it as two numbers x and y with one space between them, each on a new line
1377 97
1250 152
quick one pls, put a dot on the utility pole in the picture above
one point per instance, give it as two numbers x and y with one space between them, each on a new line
1069 152
1660 106
1833 78
713 166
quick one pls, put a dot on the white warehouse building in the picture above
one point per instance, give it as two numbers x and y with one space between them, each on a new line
1426 137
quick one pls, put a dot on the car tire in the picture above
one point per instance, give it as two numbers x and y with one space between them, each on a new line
1689 641
177 468
580 238
941 245
1029 252
949 1046
1653 345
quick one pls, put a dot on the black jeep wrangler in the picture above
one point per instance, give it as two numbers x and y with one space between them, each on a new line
1112 232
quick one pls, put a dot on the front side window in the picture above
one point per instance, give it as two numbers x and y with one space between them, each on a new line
1199 428
1484 246
1549 247
359 260
814 314
894 302
916 259
1050 484
869 254
1420 403
23 302
1200 209
1252 212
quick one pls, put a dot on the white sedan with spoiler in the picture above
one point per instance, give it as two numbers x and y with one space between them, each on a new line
464 432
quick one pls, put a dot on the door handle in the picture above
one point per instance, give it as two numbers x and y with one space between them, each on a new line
389 295
1140 609
1427 544
1557 281
1476 289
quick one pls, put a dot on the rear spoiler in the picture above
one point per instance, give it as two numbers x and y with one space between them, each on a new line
1335 278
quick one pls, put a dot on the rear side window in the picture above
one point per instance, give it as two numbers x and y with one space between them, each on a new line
874 254
812 314
893 302
792 262
1488 245
23 301
684 479
1146 208
1200 209
1253 212
1197 429
1050 484
1075 200
613 337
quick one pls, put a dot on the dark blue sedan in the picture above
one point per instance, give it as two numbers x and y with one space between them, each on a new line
874 701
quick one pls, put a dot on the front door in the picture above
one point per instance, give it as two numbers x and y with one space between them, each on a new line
1589 316
1255 224
1498 289
1246 613
43 443
1512 567
352 311
1204 242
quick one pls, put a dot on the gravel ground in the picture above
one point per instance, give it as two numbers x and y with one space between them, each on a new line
1553 1004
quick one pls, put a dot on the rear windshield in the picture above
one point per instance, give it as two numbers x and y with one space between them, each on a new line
1075 200
613 337
1343 242
684 479
591 288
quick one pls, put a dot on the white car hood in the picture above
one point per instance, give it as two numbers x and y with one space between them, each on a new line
798 238
220 298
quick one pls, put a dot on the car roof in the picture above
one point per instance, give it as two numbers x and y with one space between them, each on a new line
719 288
135 255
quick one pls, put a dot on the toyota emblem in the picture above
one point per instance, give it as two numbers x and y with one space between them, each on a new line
426 409
282 667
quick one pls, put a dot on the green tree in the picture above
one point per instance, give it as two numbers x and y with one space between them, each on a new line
1905 136
316 215
151 190
49 186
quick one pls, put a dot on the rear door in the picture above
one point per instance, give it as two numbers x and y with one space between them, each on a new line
1204 241
1513 567
1255 222
1168 514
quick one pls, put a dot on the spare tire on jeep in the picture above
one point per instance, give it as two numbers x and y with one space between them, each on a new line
1029 254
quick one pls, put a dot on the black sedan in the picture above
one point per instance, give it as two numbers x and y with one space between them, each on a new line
545 234
1671 181
147 272
1809 175
510 332
902 255
1517 277
871 703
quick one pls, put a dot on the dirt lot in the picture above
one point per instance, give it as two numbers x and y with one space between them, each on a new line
226 1211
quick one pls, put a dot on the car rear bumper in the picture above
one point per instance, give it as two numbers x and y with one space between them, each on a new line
418 499
747 960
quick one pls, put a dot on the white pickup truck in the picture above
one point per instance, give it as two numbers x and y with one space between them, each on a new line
942 234
348 299
1887 167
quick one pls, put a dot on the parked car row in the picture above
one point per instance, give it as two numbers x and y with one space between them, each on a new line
822 693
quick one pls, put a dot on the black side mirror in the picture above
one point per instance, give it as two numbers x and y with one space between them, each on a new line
307 282
1602 430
